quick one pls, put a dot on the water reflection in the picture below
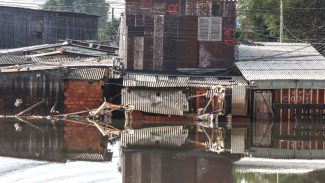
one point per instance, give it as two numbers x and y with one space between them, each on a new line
161 166
312 177
44 141
174 154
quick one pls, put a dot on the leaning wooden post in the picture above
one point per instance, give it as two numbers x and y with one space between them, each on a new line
31 107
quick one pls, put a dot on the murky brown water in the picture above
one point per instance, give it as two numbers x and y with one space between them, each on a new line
65 140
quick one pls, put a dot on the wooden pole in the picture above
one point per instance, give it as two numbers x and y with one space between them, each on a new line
31 107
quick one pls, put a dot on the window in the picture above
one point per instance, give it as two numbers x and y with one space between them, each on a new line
210 29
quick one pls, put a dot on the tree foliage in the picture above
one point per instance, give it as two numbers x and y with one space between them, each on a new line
304 20
93 7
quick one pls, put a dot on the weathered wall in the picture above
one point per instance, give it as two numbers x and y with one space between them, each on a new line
300 127
169 31
31 87
25 27
297 116
82 95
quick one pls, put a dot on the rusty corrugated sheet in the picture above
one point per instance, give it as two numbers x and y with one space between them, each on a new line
138 53
148 53
158 41
187 40
169 102
215 54
161 136
170 43
130 53
239 100
175 29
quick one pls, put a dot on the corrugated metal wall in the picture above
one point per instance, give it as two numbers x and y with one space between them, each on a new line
239 100
300 118
31 87
25 27
169 102
238 136
161 136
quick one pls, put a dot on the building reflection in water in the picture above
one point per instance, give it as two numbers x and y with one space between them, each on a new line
163 166
54 142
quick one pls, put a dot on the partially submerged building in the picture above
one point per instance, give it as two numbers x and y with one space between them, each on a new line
285 98
178 97
22 27
69 85
175 52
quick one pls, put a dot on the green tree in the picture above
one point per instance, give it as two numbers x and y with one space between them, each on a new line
95 7
304 20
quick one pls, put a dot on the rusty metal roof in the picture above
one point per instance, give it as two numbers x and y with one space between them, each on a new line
280 61
93 74
176 81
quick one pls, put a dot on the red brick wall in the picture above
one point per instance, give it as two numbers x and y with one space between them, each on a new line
81 138
82 95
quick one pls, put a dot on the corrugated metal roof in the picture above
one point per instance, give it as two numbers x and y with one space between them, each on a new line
175 81
9 63
86 74
14 60
280 61
30 48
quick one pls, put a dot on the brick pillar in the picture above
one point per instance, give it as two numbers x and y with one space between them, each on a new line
82 95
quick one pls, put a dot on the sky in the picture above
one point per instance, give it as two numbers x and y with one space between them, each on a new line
37 4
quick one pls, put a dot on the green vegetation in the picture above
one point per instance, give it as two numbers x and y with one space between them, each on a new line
304 20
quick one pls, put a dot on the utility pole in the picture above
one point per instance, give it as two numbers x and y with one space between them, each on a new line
112 26
281 21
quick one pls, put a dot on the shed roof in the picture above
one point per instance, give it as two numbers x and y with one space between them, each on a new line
280 61
176 81
9 63
92 74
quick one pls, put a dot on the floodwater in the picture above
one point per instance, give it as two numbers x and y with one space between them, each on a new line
41 151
